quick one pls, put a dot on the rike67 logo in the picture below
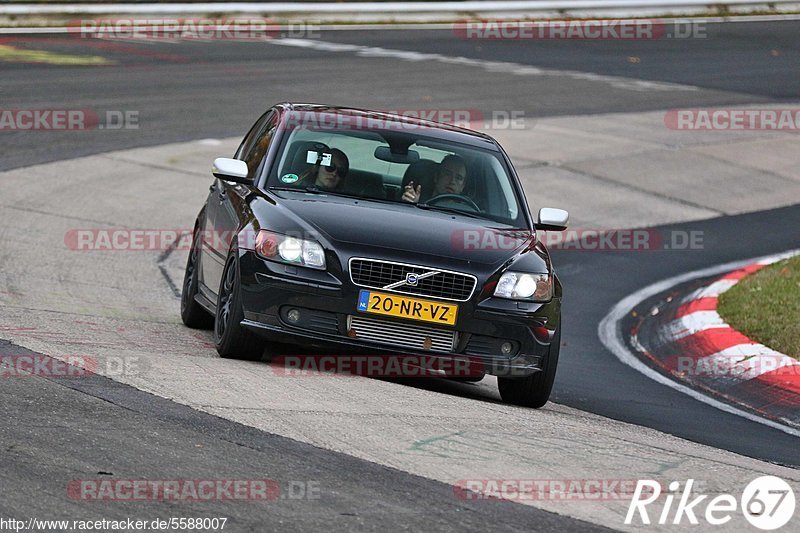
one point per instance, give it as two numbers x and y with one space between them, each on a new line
767 502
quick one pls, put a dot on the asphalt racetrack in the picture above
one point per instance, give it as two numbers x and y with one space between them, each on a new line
367 443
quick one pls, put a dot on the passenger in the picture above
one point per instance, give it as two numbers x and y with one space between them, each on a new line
327 177
451 177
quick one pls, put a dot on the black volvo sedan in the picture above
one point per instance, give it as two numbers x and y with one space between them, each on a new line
368 232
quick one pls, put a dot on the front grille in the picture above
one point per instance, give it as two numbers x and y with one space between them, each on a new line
441 284
402 335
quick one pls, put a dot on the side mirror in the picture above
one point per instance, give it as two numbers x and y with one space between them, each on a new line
231 170
552 219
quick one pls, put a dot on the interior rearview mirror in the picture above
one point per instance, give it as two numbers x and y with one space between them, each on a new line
384 153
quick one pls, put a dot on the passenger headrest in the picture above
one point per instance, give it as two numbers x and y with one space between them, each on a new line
421 172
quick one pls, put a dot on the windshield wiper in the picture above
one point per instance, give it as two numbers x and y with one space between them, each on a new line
314 190
450 210
317 190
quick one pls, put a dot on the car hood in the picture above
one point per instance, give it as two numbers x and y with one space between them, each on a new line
405 228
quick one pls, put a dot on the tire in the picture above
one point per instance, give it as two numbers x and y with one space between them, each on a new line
231 340
192 313
533 390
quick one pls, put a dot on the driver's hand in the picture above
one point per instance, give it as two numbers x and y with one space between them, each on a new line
411 193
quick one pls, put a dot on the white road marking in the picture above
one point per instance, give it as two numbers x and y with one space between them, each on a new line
775 258
711 291
717 288
694 323
504 67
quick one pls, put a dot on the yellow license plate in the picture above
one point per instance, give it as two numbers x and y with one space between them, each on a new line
411 308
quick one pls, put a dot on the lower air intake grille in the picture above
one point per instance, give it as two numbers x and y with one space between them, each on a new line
398 334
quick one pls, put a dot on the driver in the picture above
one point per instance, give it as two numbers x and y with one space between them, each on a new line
327 177
450 179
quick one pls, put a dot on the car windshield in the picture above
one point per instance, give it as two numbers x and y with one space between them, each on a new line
404 164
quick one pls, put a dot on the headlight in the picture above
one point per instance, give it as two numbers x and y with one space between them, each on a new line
518 286
277 247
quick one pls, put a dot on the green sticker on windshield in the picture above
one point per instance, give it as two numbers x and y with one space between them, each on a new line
289 178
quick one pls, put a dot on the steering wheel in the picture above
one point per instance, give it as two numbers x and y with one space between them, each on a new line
459 198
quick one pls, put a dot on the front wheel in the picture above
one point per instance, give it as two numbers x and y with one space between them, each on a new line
231 340
533 390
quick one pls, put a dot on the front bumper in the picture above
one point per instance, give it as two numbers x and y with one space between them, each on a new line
326 302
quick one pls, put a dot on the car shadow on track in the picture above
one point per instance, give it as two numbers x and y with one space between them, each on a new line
278 355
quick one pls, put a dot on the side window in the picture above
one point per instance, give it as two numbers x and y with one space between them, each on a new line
256 143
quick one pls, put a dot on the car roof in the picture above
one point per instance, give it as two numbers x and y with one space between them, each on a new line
440 130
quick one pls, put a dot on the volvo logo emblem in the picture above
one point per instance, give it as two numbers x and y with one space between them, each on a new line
411 279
